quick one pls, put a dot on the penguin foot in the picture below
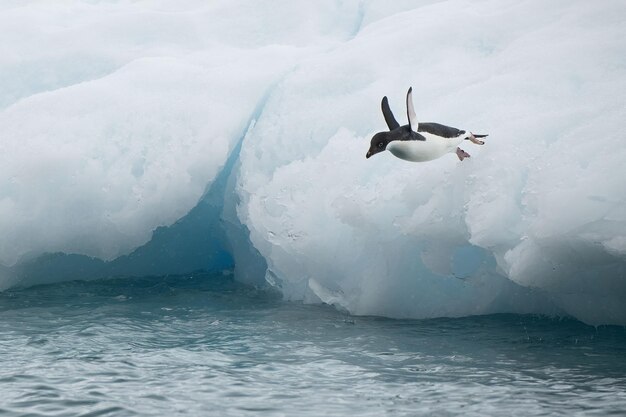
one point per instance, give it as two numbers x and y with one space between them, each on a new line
477 141
461 154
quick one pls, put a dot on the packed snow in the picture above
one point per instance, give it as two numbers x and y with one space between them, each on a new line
120 121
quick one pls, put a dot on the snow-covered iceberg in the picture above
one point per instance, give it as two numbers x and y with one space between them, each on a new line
166 137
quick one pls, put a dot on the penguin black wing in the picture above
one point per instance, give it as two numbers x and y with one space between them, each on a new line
440 130
391 121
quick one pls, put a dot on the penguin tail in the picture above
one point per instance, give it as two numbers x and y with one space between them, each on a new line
479 136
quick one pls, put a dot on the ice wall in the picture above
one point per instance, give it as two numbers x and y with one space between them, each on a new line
542 205
117 118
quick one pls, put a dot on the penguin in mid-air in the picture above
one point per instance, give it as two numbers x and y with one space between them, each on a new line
419 142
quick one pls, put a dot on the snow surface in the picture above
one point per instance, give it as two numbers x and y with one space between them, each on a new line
154 136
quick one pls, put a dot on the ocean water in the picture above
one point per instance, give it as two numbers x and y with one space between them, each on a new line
203 345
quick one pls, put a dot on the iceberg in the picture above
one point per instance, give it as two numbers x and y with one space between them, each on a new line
234 135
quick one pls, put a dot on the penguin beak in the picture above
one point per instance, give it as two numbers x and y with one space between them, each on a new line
368 154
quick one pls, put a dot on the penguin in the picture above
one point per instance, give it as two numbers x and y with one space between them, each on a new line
419 142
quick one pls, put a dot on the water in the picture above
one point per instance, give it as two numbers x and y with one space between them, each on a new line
204 345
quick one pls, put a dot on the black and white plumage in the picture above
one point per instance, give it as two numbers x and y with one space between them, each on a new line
418 142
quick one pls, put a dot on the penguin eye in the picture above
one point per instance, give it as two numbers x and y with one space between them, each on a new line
380 144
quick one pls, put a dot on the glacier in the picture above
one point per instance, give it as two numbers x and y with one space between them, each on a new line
150 138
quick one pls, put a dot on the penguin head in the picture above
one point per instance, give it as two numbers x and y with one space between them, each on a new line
378 143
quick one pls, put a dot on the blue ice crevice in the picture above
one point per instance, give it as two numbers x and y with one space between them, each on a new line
202 240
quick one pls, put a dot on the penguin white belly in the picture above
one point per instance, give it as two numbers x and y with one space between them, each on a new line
423 150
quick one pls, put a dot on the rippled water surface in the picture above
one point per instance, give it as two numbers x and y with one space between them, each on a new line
206 346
